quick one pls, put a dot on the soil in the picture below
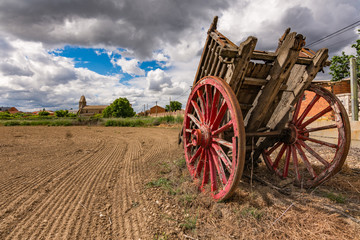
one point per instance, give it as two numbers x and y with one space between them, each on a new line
132 183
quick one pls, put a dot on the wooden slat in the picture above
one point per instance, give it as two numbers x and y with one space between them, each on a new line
265 56
285 60
299 80
255 81
235 77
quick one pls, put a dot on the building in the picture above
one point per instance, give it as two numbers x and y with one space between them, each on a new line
89 110
11 110
157 109
342 90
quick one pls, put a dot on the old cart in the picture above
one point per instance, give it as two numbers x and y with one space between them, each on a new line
247 104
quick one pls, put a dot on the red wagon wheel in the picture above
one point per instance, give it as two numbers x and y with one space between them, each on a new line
316 141
214 137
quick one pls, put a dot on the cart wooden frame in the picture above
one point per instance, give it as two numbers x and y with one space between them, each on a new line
247 104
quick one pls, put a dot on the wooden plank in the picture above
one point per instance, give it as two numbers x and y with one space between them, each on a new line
205 53
215 62
279 73
239 68
255 81
299 80
265 56
204 59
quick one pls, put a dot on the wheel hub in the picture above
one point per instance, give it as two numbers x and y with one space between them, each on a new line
290 134
201 137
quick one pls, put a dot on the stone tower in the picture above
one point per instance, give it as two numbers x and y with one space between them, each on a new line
82 102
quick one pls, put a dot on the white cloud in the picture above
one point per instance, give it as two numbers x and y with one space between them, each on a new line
129 66
158 80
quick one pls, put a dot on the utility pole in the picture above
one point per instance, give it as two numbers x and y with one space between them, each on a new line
144 109
170 106
156 108
354 91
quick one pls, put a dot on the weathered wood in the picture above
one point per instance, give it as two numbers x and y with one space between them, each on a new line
255 81
265 56
299 80
235 77
215 62
286 59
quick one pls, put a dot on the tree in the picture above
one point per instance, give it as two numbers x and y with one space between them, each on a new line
61 113
174 106
44 113
340 65
121 107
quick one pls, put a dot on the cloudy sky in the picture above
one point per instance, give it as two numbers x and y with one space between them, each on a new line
54 51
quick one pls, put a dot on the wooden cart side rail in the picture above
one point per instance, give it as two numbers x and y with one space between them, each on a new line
299 80
284 62
266 56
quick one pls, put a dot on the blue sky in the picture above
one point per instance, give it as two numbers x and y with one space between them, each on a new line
52 52
99 61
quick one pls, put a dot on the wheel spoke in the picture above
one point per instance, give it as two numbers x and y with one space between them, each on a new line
307 109
287 161
219 166
277 160
212 172
296 163
225 159
223 142
201 100
220 115
208 102
223 128
199 165
188 130
319 128
297 109
317 116
195 156
206 170
198 111
305 160
319 141
214 106
278 144
194 119
312 152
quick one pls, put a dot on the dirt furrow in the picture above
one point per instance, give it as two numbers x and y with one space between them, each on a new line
46 179
53 201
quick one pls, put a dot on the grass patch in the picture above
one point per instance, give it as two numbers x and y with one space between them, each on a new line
181 163
189 223
338 198
162 236
165 184
253 212
142 122
55 122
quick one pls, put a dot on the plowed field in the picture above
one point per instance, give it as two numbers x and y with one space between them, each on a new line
131 183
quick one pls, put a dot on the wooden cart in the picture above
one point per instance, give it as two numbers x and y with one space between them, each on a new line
246 104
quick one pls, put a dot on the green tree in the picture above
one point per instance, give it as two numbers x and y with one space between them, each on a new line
174 106
340 65
61 113
44 113
121 107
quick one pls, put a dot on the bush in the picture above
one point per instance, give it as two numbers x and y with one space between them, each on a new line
44 113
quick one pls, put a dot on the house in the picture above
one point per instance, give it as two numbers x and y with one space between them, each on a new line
157 109
342 90
89 110
11 110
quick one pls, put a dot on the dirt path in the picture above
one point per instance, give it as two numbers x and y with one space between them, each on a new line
131 183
